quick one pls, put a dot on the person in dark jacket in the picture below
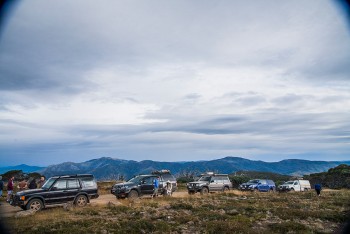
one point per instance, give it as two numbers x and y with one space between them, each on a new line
1 187
318 188
32 184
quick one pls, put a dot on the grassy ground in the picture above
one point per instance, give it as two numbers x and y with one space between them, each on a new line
216 213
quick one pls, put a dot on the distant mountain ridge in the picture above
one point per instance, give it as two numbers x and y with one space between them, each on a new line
25 168
109 168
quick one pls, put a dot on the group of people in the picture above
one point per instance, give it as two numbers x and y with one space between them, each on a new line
22 185
168 187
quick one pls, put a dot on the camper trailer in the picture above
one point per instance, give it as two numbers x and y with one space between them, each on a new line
295 185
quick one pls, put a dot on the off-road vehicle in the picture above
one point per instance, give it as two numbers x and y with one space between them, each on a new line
210 182
258 185
78 189
295 185
144 185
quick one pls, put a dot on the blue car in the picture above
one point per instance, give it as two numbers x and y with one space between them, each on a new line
258 185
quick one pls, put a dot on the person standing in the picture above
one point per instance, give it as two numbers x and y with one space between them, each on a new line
169 188
41 181
32 184
1 186
318 188
9 188
22 185
156 187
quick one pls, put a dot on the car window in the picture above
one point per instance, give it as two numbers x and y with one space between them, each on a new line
225 179
88 182
296 183
204 178
74 183
167 177
48 183
253 181
61 184
148 180
217 179
263 182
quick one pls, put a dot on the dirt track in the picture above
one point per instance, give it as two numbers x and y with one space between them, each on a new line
6 210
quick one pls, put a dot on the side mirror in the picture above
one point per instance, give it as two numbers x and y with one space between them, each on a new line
212 181
259 183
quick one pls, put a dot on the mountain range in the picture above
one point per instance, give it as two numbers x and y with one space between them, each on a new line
110 168
22 167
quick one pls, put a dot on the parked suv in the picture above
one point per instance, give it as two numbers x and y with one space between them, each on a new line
57 190
295 185
258 185
143 185
210 182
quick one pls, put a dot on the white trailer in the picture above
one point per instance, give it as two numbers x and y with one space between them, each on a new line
295 185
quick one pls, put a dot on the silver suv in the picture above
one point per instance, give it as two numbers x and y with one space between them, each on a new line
210 182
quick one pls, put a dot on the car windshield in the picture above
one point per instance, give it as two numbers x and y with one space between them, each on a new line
289 182
204 178
136 179
48 183
253 181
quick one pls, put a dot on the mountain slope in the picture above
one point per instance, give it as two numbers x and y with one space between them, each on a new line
109 168
23 167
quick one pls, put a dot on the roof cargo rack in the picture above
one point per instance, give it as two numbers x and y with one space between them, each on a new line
163 171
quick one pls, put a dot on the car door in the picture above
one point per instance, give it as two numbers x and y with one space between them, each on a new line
296 186
263 186
147 186
215 183
73 188
58 192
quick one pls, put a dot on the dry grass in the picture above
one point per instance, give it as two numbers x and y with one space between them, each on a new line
216 213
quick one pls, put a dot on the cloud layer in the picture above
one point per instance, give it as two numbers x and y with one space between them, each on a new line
174 81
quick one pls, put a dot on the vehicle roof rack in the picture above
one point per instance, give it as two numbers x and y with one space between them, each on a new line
163 171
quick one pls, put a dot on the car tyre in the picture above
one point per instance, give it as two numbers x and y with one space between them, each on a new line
204 191
81 201
225 189
133 194
35 204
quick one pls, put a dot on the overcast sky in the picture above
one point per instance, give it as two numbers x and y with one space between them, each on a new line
174 81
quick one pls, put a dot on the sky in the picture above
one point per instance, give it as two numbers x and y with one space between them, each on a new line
182 80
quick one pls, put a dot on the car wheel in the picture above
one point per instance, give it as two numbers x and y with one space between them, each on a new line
133 194
305 189
225 189
81 201
35 204
204 191
292 189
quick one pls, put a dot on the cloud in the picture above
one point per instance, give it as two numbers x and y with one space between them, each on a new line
187 79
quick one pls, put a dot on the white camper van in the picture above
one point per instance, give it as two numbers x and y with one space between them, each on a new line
295 185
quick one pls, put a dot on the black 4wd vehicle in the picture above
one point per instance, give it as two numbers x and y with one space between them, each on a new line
144 185
58 190
210 182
